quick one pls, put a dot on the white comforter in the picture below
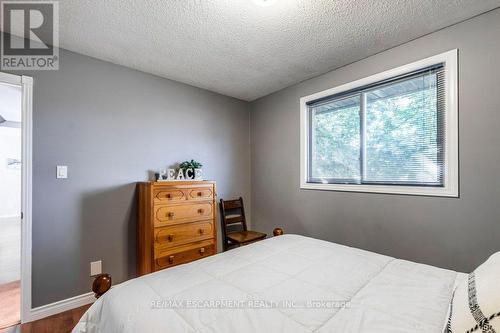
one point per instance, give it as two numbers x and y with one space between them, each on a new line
282 284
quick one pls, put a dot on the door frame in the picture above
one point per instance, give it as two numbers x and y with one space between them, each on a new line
26 84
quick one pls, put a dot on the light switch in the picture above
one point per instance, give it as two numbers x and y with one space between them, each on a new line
95 268
62 172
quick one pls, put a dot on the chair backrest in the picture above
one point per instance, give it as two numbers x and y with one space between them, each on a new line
232 216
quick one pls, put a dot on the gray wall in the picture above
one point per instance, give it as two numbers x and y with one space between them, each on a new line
111 125
451 233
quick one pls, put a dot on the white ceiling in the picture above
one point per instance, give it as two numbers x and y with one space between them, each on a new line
240 49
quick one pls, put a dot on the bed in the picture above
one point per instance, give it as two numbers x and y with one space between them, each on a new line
287 284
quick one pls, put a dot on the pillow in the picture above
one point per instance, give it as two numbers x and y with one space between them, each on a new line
475 304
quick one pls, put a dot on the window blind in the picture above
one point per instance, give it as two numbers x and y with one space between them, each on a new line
390 132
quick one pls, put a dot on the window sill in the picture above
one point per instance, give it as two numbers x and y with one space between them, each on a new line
385 189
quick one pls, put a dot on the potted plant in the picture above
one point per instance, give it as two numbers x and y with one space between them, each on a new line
190 166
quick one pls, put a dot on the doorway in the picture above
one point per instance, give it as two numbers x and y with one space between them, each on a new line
10 203
15 198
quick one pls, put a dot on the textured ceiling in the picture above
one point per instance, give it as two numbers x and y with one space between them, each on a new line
240 49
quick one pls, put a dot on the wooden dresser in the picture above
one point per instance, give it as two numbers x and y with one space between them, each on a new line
176 223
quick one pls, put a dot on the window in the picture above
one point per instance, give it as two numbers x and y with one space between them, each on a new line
394 132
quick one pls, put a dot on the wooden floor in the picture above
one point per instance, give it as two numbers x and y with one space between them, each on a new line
59 323
10 304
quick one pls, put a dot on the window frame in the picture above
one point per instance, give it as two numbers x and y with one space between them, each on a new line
450 186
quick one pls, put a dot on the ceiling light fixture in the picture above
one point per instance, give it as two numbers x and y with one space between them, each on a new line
264 2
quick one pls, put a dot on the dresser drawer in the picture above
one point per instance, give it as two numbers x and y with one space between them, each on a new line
200 193
168 194
185 254
174 214
183 233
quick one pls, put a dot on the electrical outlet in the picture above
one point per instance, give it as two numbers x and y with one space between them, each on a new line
95 268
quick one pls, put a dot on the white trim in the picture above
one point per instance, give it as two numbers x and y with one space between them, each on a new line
59 306
26 200
450 189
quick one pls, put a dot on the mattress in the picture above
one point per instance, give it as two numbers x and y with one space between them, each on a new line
287 284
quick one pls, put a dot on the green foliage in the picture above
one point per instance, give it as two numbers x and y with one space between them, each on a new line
401 139
190 165
402 135
336 144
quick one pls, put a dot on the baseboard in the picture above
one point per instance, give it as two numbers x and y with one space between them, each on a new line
59 306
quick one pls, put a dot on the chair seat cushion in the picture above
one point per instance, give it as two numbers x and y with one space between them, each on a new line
240 237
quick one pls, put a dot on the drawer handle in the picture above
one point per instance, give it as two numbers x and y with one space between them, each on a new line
168 196
170 214
170 238
202 250
171 259
201 210
201 231
200 194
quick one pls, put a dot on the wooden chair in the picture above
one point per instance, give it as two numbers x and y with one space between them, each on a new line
234 225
